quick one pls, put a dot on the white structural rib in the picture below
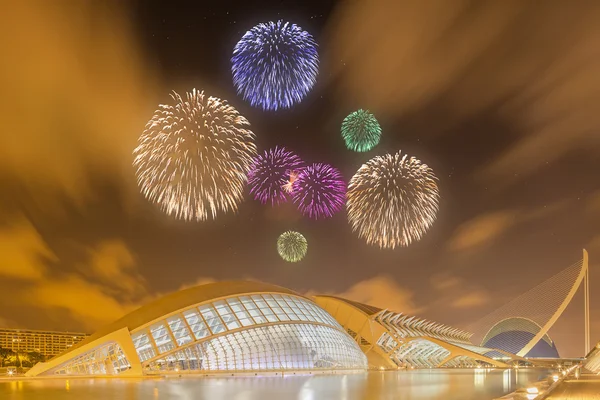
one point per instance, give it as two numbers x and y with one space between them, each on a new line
559 310
542 305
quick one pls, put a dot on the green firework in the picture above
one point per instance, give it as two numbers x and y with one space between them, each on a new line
361 131
292 246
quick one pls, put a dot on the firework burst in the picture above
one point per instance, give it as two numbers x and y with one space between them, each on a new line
292 246
275 65
289 185
361 131
194 156
319 191
270 175
392 200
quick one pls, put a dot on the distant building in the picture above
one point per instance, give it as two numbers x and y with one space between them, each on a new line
513 334
522 325
48 343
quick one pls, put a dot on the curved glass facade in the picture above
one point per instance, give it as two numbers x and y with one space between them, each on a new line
271 347
105 360
247 333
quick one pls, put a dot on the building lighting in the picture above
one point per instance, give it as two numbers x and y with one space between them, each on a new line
215 324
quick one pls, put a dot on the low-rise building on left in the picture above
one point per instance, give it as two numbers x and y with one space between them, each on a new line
47 343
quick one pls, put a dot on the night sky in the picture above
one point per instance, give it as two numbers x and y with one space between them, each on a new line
499 98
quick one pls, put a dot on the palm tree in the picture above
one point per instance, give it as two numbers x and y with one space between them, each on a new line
34 357
5 355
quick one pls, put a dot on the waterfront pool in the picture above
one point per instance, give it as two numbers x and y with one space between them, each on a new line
404 385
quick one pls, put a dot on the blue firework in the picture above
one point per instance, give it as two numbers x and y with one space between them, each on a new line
275 65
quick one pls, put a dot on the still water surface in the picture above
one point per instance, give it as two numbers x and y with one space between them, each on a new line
405 385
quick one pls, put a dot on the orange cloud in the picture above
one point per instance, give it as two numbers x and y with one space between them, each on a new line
456 292
99 291
112 263
22 252
383 292
481 230
471 300
88 303
75 94
444 282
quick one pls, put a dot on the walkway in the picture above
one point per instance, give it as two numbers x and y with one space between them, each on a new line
587 387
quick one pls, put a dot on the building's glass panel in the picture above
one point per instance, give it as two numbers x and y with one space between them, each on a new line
285 306
253 308
108 359
180 331
161 338
305 309
265 309
275 307
196 323
212 319
278 347
297 309
227 315
241 313
142 344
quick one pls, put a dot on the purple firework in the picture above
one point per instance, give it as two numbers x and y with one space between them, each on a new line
270 174
319 191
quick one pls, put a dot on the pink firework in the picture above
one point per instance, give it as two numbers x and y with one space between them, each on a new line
271 173
319 191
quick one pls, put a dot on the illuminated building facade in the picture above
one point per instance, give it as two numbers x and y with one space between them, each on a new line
393 340
229 327
47 343
592 360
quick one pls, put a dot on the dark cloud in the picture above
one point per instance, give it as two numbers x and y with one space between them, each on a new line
534 65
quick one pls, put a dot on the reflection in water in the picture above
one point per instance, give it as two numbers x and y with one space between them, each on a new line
479 378
432 384
506 380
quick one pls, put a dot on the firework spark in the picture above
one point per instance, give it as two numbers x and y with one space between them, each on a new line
392 200
292 246
271 173
319 191
275 65
194 156
361 131
289 186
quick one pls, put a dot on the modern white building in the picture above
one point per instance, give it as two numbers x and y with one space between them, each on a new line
592 360
394 340
220 327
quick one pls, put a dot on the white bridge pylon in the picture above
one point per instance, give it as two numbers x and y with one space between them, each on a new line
542 305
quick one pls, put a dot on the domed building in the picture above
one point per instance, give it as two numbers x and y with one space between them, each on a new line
513 334
219 327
